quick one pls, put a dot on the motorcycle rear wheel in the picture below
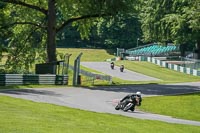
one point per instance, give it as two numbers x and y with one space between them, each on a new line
128 107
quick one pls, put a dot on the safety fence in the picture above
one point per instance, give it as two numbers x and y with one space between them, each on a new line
174 65
91 77
189 63
25 79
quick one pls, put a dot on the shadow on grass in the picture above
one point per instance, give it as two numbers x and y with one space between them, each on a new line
151 89
145 89
19 91
111 51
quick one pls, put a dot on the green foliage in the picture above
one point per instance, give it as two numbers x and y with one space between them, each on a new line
91 8
4 33
27 42
25 50
108 23
121 32
29 23
170 20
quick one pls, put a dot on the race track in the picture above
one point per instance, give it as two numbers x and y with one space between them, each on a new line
104 67
104 99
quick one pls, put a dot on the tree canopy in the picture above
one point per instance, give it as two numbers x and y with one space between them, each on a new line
35 23
121 32
30 27
174 21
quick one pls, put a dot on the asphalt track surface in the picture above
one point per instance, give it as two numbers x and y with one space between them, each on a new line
104 67
104 99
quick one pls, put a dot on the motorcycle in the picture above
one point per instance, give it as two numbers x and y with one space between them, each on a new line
121 68
112 65
125 106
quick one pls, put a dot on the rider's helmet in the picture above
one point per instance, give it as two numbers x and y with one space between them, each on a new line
138 93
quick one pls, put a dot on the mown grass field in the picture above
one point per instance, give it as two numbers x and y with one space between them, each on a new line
88 54
22 116
179 106
164 74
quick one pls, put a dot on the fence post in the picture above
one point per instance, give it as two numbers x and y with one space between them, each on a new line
66 63
75 73
76 70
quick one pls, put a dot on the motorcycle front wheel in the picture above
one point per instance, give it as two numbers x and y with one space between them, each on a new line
117 107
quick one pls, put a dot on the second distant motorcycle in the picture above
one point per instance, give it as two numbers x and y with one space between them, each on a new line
121 68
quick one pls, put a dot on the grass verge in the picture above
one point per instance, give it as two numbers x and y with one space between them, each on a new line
164 74
22 116
181 106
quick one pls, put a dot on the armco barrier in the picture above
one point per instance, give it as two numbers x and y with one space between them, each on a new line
173 66
25 79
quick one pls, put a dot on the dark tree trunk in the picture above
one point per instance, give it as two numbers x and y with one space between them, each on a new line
51 32
182 50
198 48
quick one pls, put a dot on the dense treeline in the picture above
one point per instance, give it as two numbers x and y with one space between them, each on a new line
175 21
32 29
110 34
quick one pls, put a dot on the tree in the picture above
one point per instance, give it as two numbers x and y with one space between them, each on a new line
4 33
48 17
176 21
121 33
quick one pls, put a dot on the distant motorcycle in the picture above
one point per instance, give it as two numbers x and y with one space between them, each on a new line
112 65
121 68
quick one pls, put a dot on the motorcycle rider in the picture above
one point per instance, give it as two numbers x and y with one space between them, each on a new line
121 68
135 98
112 65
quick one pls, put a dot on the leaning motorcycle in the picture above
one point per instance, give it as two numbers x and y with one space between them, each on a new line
125 106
